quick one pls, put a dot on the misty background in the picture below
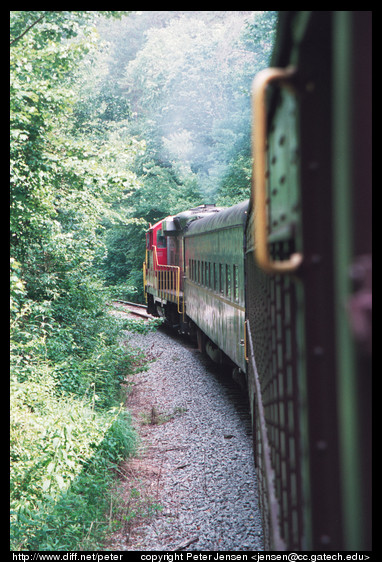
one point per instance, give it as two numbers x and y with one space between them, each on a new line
186 78
176 86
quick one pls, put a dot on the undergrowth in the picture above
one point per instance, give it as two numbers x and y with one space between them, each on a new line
69 429
141 326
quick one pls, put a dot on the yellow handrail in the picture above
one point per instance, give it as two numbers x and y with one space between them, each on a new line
144 281
166 279
245 341
259 139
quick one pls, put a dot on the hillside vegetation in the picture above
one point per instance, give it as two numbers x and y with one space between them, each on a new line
117 120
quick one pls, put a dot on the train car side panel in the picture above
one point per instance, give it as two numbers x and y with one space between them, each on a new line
352 184
214 287
278 401
309 377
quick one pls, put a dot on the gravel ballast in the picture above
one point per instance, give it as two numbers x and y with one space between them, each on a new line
195 458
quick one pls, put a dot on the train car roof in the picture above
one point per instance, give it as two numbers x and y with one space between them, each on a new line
233 216
157 224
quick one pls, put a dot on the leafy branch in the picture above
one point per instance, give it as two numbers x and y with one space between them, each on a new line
28 28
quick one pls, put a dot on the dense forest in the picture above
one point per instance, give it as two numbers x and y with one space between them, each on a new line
117 119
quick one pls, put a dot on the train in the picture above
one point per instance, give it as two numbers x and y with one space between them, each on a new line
279 286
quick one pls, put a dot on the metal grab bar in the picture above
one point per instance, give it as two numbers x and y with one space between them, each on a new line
144 280
166 279
245 341
259 139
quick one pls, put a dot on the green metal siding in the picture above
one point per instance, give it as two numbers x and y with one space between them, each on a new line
218 240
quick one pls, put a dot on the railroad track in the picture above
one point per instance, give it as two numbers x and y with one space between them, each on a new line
199 463
133 308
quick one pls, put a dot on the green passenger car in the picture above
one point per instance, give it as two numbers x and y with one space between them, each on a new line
308 280
214 284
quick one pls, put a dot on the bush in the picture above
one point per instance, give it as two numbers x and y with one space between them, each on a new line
62 453
68 428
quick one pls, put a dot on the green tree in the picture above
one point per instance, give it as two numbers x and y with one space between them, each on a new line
185 77
190 84
66 363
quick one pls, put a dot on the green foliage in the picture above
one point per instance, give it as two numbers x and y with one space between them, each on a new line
65 437
185 77
189 84
68 430
106 137
142 326
62 452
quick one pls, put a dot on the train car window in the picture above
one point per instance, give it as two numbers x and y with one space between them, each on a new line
202 280
235 283
215 277
161 240
228 281
198 280
208 274
221 280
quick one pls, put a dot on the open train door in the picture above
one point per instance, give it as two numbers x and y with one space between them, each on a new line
309 283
